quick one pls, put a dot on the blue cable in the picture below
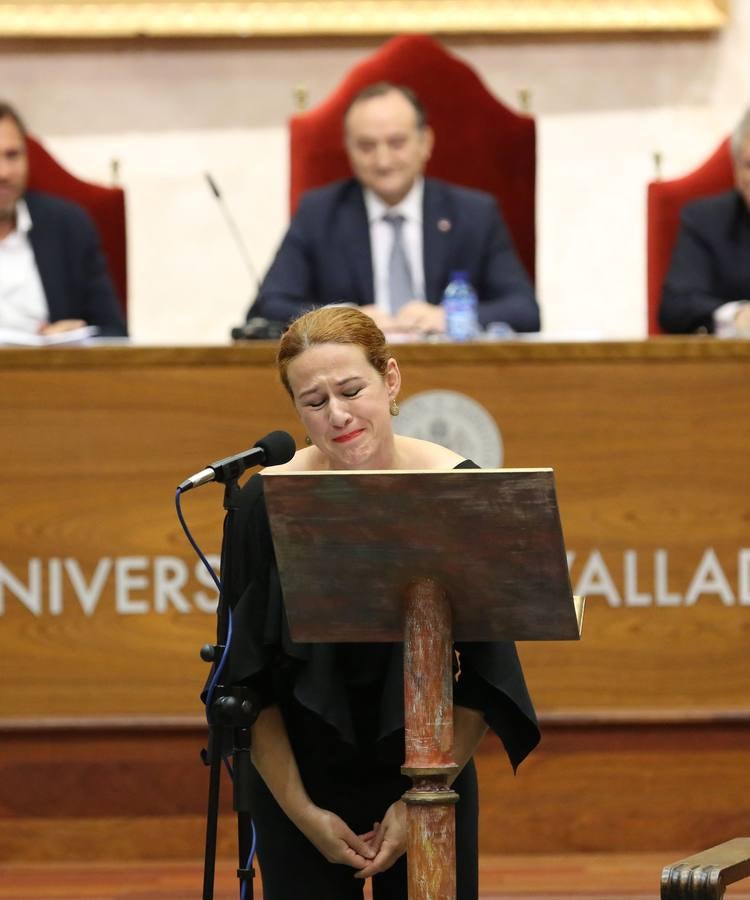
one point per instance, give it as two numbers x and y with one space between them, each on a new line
250 858
195 547
220 665
219 668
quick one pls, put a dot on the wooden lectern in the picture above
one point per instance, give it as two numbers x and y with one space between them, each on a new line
426 558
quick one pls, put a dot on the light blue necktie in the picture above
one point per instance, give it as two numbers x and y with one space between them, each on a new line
400 288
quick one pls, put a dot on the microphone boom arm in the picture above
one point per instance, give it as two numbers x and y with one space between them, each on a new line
275 448
224 470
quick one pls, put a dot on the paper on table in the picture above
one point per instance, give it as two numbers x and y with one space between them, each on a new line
12 337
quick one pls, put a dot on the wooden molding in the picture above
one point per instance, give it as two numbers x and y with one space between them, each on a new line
262 354
142 795
298 18
557 720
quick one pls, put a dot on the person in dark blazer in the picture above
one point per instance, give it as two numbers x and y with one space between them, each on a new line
53 276
707 288
340 245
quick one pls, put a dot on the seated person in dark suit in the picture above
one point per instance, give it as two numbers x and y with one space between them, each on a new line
53 276
389 239
707 288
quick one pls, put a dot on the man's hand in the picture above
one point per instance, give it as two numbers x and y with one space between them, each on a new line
742 321
61 326
335 840
387 839
382 319
421 317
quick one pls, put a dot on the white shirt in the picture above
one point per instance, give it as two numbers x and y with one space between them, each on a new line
381 241
23 305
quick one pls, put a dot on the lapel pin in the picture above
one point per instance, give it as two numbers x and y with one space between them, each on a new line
444 225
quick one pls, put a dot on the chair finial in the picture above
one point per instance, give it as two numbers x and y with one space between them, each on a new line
658 158
114 172
524 100
301 96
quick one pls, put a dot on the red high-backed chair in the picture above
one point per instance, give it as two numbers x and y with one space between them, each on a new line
105 205
479 142
664 204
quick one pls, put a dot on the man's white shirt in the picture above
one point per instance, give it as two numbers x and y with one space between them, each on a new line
23 305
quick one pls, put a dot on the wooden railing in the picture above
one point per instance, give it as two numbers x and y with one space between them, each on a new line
707 875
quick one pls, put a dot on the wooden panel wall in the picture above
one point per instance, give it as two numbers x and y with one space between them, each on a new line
648 442
141 793
649 445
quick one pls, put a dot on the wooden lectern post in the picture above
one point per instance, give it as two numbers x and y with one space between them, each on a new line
428 719
393 556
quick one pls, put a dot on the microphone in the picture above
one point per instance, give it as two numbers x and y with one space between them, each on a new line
274 449
258 329
232 225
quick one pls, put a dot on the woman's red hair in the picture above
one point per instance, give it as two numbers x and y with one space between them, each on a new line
332 325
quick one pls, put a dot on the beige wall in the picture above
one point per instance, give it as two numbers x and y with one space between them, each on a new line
169 112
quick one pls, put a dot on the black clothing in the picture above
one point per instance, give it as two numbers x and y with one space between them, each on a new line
710 263
293 868
343 708
71 265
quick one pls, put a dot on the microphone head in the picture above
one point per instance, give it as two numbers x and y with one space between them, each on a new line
278 447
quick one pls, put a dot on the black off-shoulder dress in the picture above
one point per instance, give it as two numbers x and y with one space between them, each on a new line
343 709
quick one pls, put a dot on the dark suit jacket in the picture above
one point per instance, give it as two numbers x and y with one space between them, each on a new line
71 265
325 256
710 264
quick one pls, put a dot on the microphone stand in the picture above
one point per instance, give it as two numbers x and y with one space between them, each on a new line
235 231
231 712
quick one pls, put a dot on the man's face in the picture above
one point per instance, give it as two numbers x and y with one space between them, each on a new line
14 167
387 151
742 170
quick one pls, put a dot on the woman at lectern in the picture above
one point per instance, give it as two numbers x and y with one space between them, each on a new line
328 744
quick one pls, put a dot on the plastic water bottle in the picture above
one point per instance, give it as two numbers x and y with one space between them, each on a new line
460 304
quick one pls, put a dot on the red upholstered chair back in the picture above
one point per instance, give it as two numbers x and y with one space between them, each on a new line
664 204
479 142
105 205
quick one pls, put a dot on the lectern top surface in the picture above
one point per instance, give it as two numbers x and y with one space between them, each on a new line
349 543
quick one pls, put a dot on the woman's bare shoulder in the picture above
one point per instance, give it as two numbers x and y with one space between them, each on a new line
421 454
305 460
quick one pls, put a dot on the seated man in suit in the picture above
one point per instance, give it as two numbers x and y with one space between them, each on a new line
53 276
707 288
389 239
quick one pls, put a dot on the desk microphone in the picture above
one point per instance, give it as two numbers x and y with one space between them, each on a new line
272 450
232 225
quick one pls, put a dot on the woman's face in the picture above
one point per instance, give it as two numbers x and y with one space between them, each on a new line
344 404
